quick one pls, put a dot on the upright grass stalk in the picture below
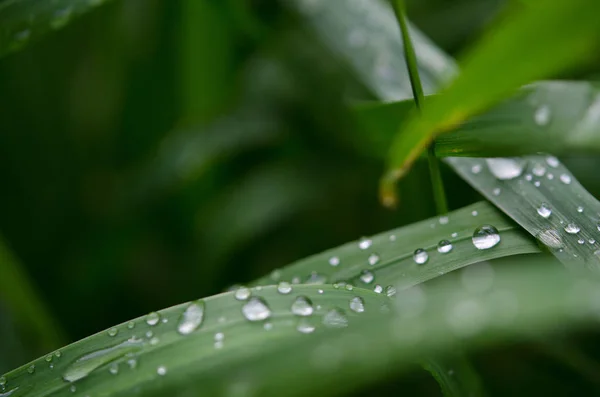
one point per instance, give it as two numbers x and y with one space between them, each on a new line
439 194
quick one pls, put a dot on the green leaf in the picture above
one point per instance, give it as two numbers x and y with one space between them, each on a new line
24 21
532 42
388 258
480 308
456 376
559 117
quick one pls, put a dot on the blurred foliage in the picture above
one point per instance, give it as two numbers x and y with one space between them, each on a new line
154 152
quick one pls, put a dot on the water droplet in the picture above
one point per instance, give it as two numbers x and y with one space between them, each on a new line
392 237
302 306
378 289
320 291
73 388
149 334
335 318
256 309
304 326
373 259
505 168
2 381
476 169
31 368
474 213
152 318
60 18
364 243
444 247
131 325
550 176
114 369
242 293
161 370
496 191
191 318
542 115
580 209
316 278
420 256
132 362
592 241
367 277
268 326
219 337
349 287
390 290
581 241
443 220
85 364
357 304
572 228
544 210
537 183
528 177
454 235
565 178
112 332
48 358
334 261
295 280
485 237
552 161
538 170
284 288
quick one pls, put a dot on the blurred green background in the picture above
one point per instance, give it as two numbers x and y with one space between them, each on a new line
154 152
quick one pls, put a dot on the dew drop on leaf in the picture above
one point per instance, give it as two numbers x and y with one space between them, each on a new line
544 210
113 369
256 309
367 277
161 370
284 288
31 368
538 169
152 319
315 278
552 161
420 256
485 237
444 247
580 209
112 331
542 115
572 228
357 304
242 293
334 261
192 317
302 306
496 191
335 318
476 169
364 243
565 178
378 289
505 168
304 326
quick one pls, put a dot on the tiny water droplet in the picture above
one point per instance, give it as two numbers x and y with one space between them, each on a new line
378 289
420 256
256 309
132 362
367 277
485 237
268 326
31 369
572 228
112 332
161 370
131 325
315 278
334 261
149 334
550 176
320 291
580 209
242 293
537 183
392 237
443 220
538 170
592 241
373 259
302 306
542 115
496 191
364 243
476 169
2 381
505 168
544 210
474 213
335 318
454 235
304 326
191 319
552 161
565 178
349 287
48 358
390 290
444 247
219 337
73 388
284 288
528 177
581 241
152 318
114 369
357 304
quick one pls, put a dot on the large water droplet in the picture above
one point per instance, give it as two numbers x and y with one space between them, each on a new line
485 237
420 256
544 210
505 168
565 178
378 289
367 277
305 326
335 318
357 304
191 318
284 288
152 319
550 238
364 243
302 306
85 364
242 293
256 309
542 115
444 247
334 261
552 161
112 331
572 228
373 259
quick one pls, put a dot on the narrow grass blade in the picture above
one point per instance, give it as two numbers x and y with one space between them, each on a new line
27 308
455 375
390 258
540 40
150 356
24 21
556 117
